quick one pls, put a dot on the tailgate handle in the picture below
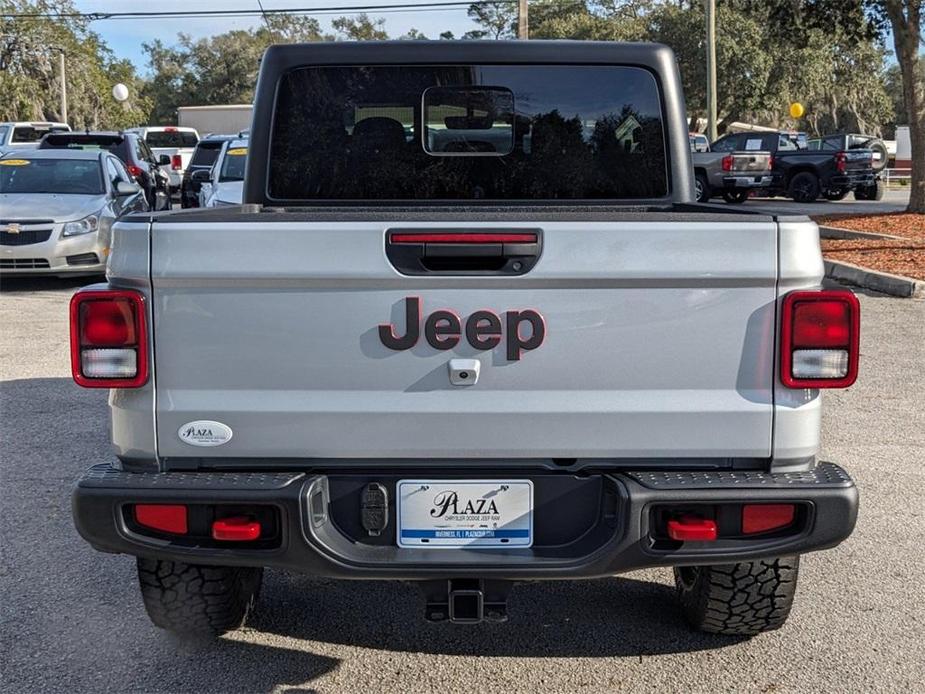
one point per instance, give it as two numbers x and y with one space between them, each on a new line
417 252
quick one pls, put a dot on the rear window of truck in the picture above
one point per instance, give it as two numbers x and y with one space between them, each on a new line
483 132
171 138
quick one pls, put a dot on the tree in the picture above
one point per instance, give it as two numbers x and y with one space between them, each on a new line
360 28
221 69
861 20
29 77
905 18
498 19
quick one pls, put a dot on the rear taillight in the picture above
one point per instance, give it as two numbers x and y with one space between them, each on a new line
820 333
770 162
727 163
135 171
841 162
176 163
108 339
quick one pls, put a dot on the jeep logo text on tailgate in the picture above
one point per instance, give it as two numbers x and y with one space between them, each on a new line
443 329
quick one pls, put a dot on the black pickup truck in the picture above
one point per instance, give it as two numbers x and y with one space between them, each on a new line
805 174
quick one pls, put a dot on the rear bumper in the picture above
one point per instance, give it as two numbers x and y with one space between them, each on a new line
313 540
741 181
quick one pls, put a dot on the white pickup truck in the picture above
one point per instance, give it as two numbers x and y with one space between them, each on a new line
467 329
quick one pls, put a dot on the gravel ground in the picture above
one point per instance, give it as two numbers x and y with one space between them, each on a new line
71 619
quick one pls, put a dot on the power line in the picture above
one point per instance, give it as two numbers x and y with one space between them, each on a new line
186 14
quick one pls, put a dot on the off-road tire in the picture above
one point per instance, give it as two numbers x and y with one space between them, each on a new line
804 187
197 601
874 192
735 197
741 599
702 187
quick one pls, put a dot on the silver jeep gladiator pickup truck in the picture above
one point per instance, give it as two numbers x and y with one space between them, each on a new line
467 329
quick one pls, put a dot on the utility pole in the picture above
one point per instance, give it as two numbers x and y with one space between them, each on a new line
523 26
63 110
711 69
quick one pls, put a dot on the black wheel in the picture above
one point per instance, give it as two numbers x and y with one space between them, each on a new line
194 600
874 192
804 187
701 187
735 197
835 195
744 599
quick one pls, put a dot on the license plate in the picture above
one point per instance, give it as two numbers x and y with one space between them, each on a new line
465 513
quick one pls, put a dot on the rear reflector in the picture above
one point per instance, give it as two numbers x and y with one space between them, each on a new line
108 339
236 529
760 518
692 529
820 336
167 518
501 237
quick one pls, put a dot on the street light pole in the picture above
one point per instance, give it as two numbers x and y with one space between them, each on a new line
63 110
523 27
711 69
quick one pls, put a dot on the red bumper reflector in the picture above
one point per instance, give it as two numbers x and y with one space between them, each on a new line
759 518
167 518
464 238
692 529
236 529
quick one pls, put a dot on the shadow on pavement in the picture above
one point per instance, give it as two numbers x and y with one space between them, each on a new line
609 617
40 283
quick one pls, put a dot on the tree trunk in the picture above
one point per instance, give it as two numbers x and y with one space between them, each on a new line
907 29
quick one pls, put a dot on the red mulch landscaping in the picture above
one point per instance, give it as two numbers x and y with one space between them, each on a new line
907 224
898 257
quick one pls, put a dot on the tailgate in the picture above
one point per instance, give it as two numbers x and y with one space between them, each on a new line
659 341
751 161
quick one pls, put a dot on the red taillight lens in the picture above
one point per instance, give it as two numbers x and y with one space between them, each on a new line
135 171
236 529
841 162
760 518
167 518
770 162
727 163
692 529
820 337
109 339
176 163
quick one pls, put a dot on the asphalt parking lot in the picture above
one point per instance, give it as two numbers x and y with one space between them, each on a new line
894 200
71 619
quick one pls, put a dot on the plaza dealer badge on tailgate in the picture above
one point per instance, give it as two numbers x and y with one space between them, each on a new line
465 513
205 432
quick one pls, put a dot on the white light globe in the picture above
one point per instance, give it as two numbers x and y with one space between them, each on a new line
120 92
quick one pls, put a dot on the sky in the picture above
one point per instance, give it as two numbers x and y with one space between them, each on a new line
126 36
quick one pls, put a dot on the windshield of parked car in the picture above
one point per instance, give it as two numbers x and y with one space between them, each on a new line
171 138
233 164
61 176
488 132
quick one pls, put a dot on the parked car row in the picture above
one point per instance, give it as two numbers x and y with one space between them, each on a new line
776 164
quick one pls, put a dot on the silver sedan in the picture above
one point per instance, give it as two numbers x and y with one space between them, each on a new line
57 208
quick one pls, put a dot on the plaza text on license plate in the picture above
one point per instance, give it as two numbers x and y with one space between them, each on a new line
465 513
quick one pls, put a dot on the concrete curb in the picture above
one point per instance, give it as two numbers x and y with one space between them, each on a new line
826 232
894 285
